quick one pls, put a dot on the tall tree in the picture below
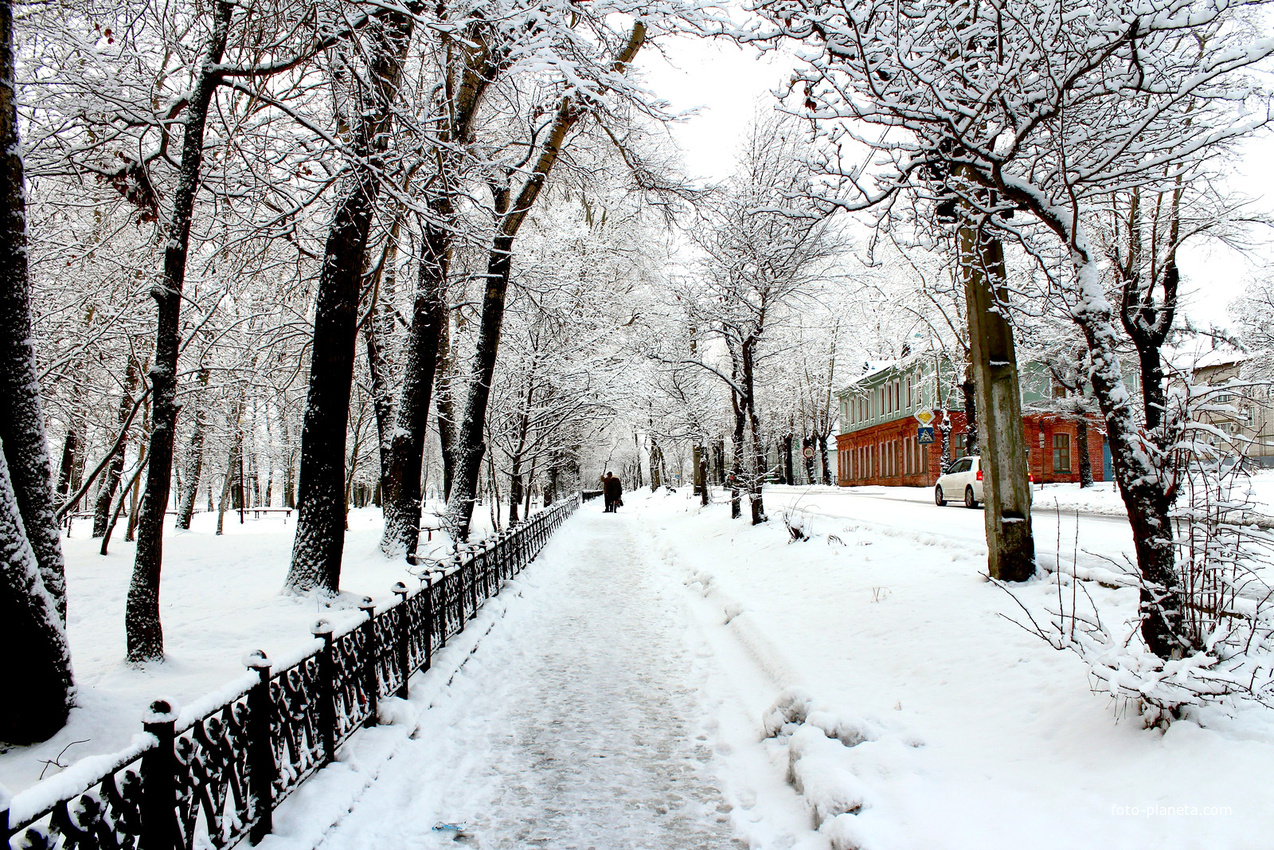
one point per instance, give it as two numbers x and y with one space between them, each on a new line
511 210
32 575
141 617
474 57
22 427
365 120
764 240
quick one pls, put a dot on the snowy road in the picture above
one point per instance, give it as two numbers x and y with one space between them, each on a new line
576 723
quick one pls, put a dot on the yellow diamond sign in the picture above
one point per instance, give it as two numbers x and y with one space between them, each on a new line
924 417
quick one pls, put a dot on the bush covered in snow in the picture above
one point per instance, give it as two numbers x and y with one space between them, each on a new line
1226 620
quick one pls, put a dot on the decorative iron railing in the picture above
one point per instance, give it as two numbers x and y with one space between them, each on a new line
213 776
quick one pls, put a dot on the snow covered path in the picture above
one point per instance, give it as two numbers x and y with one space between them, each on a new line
576 723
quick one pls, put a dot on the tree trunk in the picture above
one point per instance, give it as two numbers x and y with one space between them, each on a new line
530 486
515 491
757 498
402 474
1140 484
289 481
123 496
227 483
789 474
106 496
445 404
1153 394
70 457
378 336
320 524
1085 462
515 462
134 493
470 446
141 616
737 454
759 470
823 456
656 463
39 676
1007 494
32 575
194 455
944 457
969 392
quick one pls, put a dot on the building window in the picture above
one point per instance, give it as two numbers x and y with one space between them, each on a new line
1061 452
957 445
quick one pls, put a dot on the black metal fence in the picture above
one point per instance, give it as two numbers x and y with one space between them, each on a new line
215 780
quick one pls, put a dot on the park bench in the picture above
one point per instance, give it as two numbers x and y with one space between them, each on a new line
257 512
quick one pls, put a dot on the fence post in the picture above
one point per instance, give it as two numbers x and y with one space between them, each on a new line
476 568
506 559
159 828
327 690
261 766
5 832
489 565
403 639
370 656
428 617
496 567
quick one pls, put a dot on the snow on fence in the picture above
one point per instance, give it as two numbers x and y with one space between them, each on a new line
210 777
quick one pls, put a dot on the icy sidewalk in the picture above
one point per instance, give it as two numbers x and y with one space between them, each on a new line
573 721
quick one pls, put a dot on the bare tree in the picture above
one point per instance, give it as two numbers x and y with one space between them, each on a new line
762 245
510 209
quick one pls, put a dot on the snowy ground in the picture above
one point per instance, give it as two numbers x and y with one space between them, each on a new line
667 677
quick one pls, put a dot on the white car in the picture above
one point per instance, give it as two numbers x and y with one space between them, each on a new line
962 480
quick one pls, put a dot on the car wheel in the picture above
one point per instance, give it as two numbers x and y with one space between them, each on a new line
969 501
937 496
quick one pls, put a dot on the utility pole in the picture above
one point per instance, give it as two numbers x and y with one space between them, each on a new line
1007 490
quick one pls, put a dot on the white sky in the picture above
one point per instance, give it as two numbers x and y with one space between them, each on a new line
728 84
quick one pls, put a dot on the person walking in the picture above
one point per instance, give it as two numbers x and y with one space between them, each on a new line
612 490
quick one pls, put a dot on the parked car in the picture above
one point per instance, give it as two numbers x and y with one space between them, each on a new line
963 479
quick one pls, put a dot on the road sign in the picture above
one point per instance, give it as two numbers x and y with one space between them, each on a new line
808 451
924 435
925 417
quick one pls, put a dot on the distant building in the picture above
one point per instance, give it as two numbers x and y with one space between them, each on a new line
880 444
1244 413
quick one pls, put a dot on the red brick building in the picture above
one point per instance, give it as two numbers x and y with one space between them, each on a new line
880 442
890 454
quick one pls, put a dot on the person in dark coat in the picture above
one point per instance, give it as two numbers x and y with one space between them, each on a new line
612 490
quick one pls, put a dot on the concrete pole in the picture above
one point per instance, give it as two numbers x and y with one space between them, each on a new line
1007 492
